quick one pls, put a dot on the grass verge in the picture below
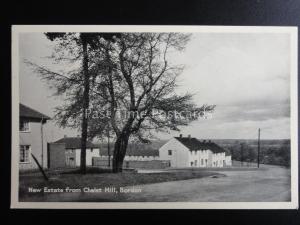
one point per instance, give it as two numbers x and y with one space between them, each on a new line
100 180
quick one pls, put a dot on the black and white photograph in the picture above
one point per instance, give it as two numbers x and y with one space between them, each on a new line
156 117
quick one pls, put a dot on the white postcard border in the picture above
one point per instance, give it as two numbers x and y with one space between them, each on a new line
17 29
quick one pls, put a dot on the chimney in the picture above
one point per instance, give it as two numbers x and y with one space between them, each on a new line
180 135
189 136
65 136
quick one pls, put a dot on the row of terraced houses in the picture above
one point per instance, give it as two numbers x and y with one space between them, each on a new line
65 152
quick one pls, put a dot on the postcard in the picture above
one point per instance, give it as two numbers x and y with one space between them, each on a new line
154 117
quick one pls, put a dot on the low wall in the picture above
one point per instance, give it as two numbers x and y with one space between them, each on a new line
152 164
96 161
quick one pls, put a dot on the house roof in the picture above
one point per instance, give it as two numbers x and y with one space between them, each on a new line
193 144
135 152
74 142
27 112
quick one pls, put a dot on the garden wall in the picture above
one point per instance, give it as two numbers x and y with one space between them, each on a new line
153 164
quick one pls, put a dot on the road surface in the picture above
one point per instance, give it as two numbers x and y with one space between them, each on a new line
269 184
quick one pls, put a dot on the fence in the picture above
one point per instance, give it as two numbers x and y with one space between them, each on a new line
243 164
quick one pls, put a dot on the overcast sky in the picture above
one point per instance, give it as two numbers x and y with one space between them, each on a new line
245 75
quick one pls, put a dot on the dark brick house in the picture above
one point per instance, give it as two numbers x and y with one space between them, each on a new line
66 152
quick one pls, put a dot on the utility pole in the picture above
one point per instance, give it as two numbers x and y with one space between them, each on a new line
42 140
108 147
258 147
242 157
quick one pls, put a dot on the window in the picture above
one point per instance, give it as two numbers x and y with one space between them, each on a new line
24 126
192 163
169 152
24 153
202 162
195 162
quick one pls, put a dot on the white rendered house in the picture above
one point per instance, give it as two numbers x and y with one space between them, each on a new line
31 138
191 152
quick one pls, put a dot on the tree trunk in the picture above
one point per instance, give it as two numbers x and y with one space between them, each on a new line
85 105
119 153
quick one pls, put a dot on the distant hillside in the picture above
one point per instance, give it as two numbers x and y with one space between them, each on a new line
276 152
269 142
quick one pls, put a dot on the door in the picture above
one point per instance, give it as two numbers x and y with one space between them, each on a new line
70 161
173 158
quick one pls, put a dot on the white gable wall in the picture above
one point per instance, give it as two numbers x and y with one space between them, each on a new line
180 153
90 154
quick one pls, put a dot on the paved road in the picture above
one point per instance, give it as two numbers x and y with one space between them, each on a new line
270 184
264 185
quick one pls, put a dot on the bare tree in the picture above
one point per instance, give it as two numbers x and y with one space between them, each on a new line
77 49
140 91
128 76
